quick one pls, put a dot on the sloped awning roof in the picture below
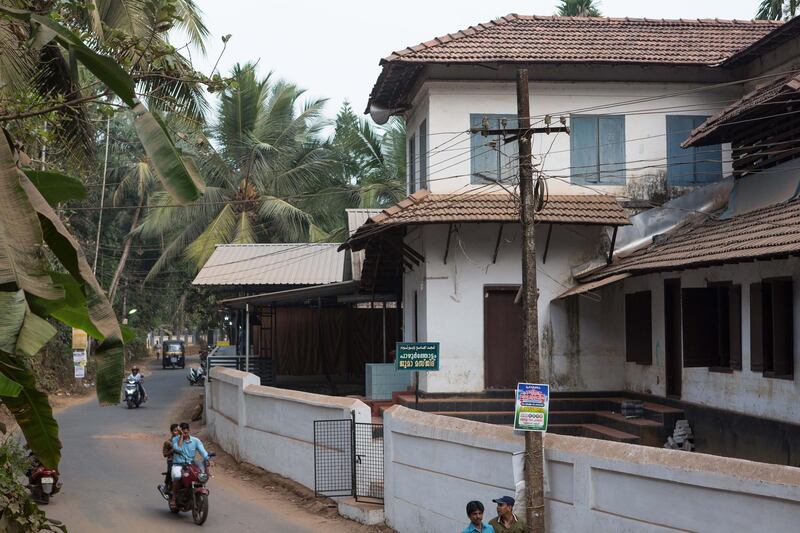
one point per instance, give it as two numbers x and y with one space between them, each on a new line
273 264
355 219
770 232
756 105
423 207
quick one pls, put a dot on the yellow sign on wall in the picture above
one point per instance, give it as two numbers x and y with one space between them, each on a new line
79 339
223 343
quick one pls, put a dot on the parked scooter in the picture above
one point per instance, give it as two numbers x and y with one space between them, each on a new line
196 375
132 395
192 494
42 482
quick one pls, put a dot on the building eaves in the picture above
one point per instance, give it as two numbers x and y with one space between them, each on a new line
780 90
423 207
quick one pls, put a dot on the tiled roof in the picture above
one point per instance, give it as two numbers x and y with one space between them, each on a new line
272 264
769 232
780 90
520 39
422 207
530 39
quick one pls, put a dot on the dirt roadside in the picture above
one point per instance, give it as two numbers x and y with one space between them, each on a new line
258 479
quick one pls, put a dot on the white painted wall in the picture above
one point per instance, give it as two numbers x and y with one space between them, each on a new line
742 391
269 427
577 353
448 104
436 464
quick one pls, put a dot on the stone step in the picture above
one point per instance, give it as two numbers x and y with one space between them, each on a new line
465 403
595 431
650 432
490 417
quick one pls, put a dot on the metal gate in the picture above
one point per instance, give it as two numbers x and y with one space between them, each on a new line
348 459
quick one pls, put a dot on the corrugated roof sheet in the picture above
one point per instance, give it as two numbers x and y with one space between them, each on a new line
422 207
772 231
273 264
355 219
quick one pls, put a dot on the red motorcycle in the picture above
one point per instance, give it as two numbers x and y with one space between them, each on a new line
42 481
192 494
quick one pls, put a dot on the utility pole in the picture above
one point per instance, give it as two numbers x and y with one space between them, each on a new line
534 454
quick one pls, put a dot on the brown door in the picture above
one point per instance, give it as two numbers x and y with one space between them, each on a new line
672 336
502 344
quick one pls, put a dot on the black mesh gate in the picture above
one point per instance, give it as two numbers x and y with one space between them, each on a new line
348 459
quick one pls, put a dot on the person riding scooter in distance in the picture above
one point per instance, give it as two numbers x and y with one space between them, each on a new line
139 379
186 448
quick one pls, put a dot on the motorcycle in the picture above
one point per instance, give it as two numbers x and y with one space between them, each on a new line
132 395
42 481
192 493
196 376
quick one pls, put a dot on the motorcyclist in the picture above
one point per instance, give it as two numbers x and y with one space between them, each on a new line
138 378
186 448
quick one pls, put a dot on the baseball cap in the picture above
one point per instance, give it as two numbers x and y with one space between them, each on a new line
508 500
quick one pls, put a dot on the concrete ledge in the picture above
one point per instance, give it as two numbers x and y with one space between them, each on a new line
370 514
693 462
307 398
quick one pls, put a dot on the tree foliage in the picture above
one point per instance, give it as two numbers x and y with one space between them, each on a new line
69 55
777 9
578 8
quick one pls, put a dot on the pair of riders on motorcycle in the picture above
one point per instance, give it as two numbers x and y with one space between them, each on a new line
180 451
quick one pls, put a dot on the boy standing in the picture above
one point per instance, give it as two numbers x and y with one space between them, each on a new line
475 514
168 451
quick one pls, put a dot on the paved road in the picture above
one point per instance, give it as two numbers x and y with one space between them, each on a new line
111 465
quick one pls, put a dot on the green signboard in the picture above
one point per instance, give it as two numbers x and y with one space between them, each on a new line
417 356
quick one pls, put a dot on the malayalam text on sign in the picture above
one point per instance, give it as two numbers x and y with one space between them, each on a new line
532 406
417 356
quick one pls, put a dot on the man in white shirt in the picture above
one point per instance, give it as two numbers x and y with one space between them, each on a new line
136 376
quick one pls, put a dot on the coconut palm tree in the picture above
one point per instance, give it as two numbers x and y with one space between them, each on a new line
369 171
777 9
262 175
578 8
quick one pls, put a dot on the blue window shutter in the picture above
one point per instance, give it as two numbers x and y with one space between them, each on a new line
612 149
583 148
680 161
690 166
509 152
412 172
423 155
483 158
708 162
490 159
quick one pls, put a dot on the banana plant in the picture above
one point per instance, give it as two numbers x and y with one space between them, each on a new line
44 274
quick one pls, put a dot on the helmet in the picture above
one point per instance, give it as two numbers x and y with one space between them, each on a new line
135 368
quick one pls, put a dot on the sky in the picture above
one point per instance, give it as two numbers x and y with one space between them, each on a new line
332 48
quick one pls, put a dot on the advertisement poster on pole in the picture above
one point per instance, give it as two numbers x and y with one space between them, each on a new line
532 403
79 362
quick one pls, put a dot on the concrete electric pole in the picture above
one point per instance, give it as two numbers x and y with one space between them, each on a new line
534 453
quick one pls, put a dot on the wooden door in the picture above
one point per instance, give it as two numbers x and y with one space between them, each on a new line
672 336
502 334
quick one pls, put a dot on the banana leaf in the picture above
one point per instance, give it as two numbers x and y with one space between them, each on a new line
21 260
57 187
108 357
31 409
179 178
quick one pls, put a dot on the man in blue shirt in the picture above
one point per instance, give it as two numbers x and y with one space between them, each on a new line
186 448
475 514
